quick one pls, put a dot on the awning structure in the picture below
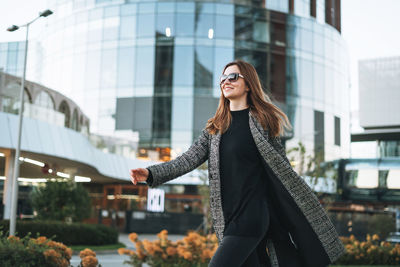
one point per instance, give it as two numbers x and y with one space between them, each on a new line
67 151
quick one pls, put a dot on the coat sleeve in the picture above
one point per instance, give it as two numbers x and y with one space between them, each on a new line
188 161
277 144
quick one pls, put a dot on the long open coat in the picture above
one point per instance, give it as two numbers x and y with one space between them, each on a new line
301 213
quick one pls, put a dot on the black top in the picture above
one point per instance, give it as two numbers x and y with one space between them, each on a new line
243 180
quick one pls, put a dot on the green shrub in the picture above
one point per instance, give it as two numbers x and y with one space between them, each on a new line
61 200
69 234
29 252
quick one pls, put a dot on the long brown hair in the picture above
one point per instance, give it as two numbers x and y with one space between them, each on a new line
270 116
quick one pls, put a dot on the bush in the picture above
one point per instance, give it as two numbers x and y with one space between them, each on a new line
61 200
69 234
193 250
33 252
369 252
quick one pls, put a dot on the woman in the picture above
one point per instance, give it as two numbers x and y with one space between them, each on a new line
257 200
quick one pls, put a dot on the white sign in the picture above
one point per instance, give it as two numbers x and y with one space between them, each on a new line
155 200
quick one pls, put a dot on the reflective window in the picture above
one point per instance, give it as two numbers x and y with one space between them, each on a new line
278 5
129 9
146 25
111 28
204 25
306 40
318 44
305 68
43 99
302 8
184 24
126 66
222 56
108 68
96 14
319 82
128 27
185 7
111 11
165 24
225 9
183 65
337 131
224 26
261 31
203 69
146 8
166 7
95 31
208 8
164 68
93 69
145 66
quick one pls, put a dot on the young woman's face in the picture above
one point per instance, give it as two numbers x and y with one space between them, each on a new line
234 90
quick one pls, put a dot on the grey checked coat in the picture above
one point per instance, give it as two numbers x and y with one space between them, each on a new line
305 220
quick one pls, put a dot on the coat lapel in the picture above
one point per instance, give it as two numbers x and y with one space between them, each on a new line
215 187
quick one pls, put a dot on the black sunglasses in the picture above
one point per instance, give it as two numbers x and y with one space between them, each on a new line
232 77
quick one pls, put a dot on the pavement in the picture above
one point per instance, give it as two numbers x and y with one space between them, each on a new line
111 258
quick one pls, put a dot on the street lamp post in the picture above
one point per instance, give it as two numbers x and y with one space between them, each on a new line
14 195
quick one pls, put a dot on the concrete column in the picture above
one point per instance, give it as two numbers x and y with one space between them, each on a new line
8 183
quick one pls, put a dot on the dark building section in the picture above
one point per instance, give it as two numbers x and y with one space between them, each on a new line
319 138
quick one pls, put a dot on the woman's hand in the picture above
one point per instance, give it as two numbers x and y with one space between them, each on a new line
139 175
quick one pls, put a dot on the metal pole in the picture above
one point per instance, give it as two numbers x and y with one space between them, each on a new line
14 198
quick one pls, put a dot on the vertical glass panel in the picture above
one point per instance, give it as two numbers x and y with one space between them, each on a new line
95 14
165 25
183 69
222 56
146 25
302 8
95 31
145 66
163 69
108 69
261 31
185 7
318 44
205 8
128 28
111 28
3 59
166 7
204 23
278 5
319 82
306 78
182 118
146 8
306 40
203 70
127 10
225 9
224 26
111 11
184 24
126 66
12 59
93 69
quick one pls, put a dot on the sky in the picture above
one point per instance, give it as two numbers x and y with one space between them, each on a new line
369 27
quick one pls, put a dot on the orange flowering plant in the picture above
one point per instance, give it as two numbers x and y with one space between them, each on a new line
372 251
193 250
88 258
33 251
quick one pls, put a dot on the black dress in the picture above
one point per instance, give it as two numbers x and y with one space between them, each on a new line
243 180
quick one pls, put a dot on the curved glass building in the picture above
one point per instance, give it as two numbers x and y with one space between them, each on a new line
153 66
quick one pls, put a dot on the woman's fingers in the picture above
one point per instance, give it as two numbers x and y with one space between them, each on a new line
138 175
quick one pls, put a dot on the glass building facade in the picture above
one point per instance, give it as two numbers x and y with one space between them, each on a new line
153 66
